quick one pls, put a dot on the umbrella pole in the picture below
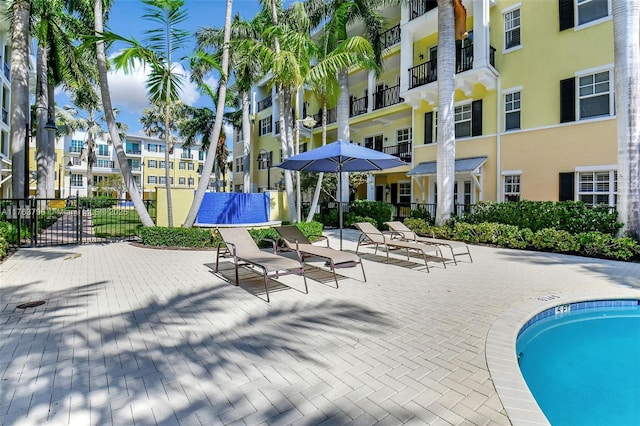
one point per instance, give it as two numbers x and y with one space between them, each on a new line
340 202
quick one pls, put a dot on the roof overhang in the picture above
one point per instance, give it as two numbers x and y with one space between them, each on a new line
463 165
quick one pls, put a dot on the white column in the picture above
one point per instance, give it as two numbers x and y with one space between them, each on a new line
371 187
371 85
480 33
406 58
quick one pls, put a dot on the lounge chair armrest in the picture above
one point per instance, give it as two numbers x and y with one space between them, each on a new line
322 237
273 242
231 247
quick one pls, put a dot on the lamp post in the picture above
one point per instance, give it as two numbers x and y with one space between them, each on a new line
263 156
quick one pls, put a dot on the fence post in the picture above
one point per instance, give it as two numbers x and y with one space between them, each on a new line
79 221
33 214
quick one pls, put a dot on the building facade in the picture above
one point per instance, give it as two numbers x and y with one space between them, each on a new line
534 106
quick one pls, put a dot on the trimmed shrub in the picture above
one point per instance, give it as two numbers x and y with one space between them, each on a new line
550 239
492 233
10 232
423 214
571 216
597 244
379 211
4 245
176 237
101 202
350 219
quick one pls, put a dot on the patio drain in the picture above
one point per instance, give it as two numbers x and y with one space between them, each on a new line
31 304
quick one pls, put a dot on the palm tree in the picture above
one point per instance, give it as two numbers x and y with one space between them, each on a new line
246 70
164 82
101 61
335 16
20 96
446 151
217 128
626 31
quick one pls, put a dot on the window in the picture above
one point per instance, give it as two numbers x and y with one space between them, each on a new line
462 116
404 135
152 164
182 165
265 126
103 150
163 180
512 111
163 164
105 164
511 187
134 164
598 187
76 146
404 192
512 29
152 179
594 95
190 166
239 165
190 181
591 10
265 160
76 180
182 181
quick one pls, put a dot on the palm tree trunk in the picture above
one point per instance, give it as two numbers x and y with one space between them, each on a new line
446 153
626 33
91 152
344 131
167 158
246 144
130 183
284 101
41 118
217 126
51 143
19 96
316 193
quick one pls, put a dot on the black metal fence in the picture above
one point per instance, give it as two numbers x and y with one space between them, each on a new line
38 222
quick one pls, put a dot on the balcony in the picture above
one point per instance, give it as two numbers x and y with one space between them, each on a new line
387 97
103 164
133 151
417 8
401 150
264 104
390 37
332 117
186 156
427 72
358 106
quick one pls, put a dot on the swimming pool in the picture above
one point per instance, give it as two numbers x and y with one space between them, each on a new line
581 362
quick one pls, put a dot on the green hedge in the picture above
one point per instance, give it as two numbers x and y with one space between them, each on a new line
203 238
379 211
592 243
571 216
10 232
4 245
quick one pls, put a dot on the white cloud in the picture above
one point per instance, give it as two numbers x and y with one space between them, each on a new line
129 92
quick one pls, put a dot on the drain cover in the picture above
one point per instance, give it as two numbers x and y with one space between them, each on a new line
31 304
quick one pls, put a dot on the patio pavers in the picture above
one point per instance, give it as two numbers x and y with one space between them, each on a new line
145 336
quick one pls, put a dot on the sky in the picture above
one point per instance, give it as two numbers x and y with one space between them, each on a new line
128 92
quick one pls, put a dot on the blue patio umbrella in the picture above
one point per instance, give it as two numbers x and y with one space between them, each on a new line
338 157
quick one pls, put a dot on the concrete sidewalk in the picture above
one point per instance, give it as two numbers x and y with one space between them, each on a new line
135 335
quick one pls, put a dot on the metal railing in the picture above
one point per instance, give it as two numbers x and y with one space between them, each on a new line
401 150
390 37
417 8
387 97
39 222
332 117
264 103
358 106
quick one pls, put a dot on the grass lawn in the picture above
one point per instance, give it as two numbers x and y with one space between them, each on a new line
115 222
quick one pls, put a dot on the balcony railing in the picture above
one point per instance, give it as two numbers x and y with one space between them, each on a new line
358 106
387 97
417 8
101 164
390 37
264 103
186 156
427 72
133 151
401 150
332 117
75 149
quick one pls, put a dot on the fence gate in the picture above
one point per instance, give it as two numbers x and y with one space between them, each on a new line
40 222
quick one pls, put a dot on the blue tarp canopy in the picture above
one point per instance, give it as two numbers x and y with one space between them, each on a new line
463 165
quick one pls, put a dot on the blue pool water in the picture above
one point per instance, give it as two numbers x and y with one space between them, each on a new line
583 366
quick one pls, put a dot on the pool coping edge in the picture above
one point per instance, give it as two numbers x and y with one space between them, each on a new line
502 361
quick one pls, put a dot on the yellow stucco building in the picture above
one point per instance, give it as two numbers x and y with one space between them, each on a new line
534 112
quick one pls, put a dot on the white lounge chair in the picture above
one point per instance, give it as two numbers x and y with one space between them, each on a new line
407 234
243 249
371 235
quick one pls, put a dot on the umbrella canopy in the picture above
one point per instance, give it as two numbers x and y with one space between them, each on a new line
341 156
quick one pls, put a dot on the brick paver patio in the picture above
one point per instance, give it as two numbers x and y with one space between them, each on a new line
134 335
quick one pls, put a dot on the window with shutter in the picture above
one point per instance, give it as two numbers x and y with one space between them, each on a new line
568 100
428 127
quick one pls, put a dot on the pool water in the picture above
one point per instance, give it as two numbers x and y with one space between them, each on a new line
583 367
